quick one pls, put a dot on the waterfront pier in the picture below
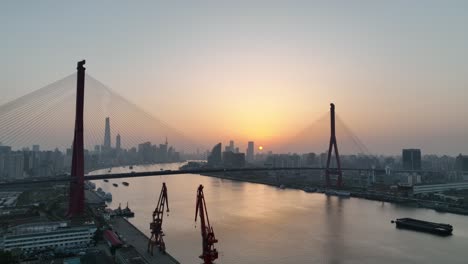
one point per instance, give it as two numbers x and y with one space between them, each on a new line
136 238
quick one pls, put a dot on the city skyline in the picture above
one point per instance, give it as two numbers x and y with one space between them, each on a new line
56 116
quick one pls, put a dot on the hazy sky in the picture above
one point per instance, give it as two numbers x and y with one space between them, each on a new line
258 70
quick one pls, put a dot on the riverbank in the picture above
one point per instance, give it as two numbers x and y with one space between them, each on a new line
381 197
250 220
271 183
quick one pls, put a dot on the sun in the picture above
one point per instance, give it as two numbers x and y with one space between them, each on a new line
260 148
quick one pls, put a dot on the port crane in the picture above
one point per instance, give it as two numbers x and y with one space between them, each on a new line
208 237
156 239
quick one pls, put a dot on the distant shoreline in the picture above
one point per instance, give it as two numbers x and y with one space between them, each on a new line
243 180
361 195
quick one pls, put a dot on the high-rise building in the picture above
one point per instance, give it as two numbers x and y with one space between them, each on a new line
411 159
308 159
215 158
117 142
162 152
16 165
2 165
250 151
36 148
231 146
233 160
5 149
145 152
107 135
461 163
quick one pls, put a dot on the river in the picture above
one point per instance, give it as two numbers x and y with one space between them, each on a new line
256 223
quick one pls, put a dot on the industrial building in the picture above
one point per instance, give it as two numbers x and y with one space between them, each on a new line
433 188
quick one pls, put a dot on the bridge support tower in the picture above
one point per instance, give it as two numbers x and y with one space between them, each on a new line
333 147
76 202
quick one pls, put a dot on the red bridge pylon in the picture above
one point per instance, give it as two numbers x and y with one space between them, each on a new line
333 146
76 199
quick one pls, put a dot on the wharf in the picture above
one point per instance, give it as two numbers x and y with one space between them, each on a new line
92 198
139 240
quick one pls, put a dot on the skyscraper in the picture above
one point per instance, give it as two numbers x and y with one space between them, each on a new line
117 142
107 135
215 158
162 152
411 159
250 151
461 163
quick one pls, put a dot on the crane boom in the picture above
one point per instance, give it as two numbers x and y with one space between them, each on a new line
209 253
156 239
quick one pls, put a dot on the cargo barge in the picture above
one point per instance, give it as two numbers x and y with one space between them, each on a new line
424 226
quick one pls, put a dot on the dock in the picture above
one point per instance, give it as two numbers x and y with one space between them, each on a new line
139 240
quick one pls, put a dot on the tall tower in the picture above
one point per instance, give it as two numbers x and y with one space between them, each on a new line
250 151
76 202
107 135
117 142
331 171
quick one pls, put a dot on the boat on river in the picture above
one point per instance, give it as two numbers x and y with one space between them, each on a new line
424 226
124 212
338 193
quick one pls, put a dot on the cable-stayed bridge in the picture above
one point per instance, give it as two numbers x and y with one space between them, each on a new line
49 116
108 176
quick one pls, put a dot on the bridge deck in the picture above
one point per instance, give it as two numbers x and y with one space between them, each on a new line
139 240
67 178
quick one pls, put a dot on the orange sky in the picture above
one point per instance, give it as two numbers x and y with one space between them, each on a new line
244 70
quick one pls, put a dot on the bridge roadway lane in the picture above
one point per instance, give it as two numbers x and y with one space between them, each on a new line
136 238
63 178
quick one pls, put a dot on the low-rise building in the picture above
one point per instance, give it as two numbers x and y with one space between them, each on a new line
58 236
